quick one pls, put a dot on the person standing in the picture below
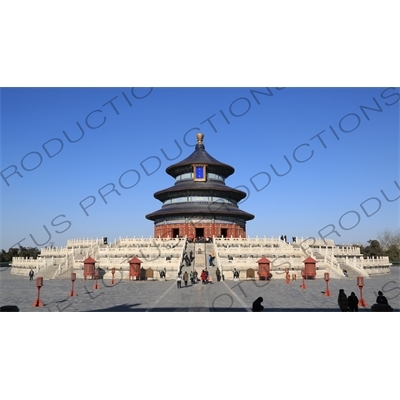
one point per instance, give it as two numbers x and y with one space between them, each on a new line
203 277
179 281
191 275
31 274
185 278
343 302
218 273
353 302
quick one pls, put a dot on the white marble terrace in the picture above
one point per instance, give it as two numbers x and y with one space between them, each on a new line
239 253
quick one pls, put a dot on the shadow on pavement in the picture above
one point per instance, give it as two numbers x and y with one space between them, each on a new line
134 308
120 308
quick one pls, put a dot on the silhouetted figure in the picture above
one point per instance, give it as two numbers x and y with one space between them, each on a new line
257 306
343 302
353 302
381 303
31 274
381 299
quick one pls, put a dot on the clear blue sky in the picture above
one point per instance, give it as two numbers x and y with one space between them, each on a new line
212 44
331 188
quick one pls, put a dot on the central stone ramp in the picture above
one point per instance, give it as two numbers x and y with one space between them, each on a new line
199 301
200 259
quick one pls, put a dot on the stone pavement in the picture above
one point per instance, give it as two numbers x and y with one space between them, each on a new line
164 296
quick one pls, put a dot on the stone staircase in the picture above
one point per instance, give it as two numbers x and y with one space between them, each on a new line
201 253
352 272
48 273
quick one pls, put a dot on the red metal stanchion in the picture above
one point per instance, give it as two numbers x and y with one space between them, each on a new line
360 284
96 275
39 284
287 282
112 272
73 279
327 291
303 285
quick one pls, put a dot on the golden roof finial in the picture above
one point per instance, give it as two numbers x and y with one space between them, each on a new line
200 137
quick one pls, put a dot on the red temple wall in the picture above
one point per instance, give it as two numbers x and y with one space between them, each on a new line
210 229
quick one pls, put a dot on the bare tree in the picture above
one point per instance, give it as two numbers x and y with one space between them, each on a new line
389 238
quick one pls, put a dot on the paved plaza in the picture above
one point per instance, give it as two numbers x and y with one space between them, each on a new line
164 296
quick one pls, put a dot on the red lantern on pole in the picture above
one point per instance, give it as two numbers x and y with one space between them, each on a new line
73 279
112 273
360 284
39 284
96 275
303 285
326 278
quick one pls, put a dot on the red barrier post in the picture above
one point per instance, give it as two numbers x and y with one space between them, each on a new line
360 284
39 284
73 279
112 273
303 286
96 275
287 276
327 291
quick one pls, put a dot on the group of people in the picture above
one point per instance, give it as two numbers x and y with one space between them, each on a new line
199 239
193 276
350 303
205 277
347 303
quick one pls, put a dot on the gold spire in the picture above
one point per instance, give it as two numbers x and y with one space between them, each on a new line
200 137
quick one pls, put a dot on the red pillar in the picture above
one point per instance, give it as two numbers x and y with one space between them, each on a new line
186 229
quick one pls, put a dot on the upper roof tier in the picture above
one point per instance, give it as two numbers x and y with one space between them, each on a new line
200 156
